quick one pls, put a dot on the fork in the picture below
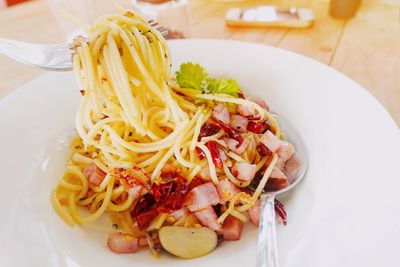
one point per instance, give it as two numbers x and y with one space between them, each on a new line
53 57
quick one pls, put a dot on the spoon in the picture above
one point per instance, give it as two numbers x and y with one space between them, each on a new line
267 251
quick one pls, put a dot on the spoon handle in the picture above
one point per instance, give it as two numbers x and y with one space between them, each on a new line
267 251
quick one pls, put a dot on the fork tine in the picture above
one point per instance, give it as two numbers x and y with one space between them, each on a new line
158 27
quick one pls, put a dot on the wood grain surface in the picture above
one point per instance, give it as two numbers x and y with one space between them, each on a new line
366 48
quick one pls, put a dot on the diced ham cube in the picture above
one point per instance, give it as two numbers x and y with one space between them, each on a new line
180 213
204 174
247 110
221 113
239 123
142 241
277 173
270 141
254 213
277 180
232 143
292 168
94 174
245 171
285 151
202 196
122 243
232 228
261 103
208 218
226 190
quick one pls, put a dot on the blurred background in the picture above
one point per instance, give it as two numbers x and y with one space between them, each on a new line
360 38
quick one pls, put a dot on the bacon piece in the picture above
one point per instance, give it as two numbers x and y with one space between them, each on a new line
246 110
261 103
232 228
208 218
94 174
195 183
249 111
233 145
277 173
254 213
226 190
122 243
180 213
202 196
285 151
244 171
232 133
221 113
239 123
270 141
204 174
142 241
277 180
292 168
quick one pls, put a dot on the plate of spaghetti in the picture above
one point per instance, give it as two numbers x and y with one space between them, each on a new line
155 153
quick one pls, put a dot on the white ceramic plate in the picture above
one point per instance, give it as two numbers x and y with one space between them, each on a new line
345 213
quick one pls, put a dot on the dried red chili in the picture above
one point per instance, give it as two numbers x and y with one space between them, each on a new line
214 151
208 129
257 127
280 210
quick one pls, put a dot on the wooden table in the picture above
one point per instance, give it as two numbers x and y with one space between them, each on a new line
365 48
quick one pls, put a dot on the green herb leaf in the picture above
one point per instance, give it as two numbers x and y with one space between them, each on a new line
191 76
223 86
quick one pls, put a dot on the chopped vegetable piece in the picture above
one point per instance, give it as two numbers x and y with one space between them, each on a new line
191 76
223 86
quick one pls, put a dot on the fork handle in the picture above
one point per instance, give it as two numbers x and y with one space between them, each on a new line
267 251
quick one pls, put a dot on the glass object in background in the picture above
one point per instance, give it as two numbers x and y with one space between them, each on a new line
81 9
171 14
343 8
84 10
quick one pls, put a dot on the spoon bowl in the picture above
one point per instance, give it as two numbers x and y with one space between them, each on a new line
267 252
